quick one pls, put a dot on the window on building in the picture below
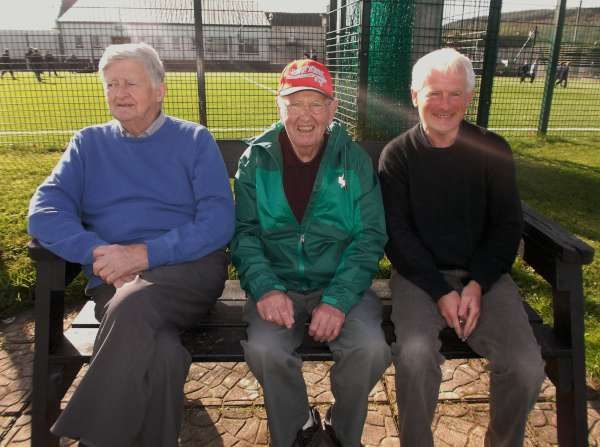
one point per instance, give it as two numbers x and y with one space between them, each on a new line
216 45
191 43
248 45
176 42
78 41
96 41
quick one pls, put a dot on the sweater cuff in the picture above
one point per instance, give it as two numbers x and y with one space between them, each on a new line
436 291
158 253
485 279
258 292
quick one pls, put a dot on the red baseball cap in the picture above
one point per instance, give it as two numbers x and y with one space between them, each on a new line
305 74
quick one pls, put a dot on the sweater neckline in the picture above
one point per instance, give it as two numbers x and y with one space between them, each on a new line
140 140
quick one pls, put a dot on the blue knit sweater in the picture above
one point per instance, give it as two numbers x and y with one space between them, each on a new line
169 190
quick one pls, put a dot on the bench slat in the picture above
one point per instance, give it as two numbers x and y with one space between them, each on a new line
217 337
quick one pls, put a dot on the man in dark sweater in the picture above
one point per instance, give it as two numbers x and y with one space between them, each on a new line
454 222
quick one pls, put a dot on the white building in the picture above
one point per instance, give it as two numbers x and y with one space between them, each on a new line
232 29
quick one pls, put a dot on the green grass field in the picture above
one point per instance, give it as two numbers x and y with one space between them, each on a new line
240 105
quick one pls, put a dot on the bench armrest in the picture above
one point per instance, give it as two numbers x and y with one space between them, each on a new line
558 256
555 240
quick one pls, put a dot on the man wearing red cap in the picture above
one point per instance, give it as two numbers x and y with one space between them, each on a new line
310 231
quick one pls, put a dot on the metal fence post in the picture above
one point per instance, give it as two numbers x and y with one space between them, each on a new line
363 69
200 61
559 20
489 63
331 39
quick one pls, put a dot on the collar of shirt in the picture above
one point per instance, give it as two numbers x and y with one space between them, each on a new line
290 158
152 129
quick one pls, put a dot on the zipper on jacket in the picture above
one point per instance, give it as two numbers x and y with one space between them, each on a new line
301 254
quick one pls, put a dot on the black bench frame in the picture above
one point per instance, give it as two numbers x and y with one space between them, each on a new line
554 253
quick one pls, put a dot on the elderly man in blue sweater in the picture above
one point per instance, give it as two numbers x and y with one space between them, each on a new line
143 203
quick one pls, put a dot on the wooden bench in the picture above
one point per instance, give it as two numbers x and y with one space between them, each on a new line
554 253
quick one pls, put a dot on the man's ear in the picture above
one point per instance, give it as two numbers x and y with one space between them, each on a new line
469 98
162 91
413 95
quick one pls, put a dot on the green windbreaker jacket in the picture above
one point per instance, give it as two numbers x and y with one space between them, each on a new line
341 238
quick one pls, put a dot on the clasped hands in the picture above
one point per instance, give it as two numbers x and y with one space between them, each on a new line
119 264
461 311
277 307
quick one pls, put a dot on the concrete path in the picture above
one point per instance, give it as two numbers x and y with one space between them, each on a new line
224 404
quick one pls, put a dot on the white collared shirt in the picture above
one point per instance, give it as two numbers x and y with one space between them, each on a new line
156 124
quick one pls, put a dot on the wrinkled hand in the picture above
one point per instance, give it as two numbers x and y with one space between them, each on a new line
449 305
117 264
470 307
326 323
276 307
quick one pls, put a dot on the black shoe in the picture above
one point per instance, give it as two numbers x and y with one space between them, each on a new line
309 436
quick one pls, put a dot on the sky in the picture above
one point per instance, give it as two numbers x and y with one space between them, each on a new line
40 14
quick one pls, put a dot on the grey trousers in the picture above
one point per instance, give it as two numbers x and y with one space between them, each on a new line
132 393
360 352
503 336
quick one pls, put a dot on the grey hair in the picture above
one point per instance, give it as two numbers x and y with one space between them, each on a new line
140 52
443 60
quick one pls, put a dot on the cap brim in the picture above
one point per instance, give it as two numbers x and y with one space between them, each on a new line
290 90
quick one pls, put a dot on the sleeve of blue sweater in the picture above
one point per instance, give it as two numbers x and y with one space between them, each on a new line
55 210
213 224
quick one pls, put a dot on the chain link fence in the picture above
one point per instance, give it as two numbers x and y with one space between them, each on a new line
541 75
223 58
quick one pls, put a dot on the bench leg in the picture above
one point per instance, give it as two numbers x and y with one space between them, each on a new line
46 402
49 299
571 403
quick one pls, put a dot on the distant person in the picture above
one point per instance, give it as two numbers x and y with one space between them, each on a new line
144 203
6 64
36 62
73 63
524 71
28 54
562 74
50 63
533 71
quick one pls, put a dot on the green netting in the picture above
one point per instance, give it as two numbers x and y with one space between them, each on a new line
390 45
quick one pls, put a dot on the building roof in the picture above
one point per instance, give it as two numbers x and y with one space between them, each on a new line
294 19
65 5
214 12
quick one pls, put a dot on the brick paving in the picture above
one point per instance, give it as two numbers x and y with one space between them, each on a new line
224 403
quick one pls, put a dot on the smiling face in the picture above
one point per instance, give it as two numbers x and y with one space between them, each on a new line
131 96
306 115
442 102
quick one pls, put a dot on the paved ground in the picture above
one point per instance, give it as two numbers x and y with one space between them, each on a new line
224 405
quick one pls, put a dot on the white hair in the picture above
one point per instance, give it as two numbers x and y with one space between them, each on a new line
443 60
140 52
